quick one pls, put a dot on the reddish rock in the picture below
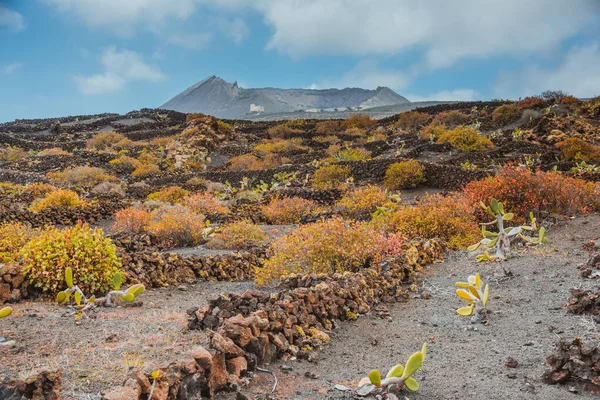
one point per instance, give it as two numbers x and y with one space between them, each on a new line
218 374
226 346
202 357
237 366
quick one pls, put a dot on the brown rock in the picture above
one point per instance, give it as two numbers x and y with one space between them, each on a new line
226 346
218 375
4 292
237 366
202 357
511 363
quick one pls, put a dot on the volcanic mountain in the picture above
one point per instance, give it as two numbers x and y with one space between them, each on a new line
223 99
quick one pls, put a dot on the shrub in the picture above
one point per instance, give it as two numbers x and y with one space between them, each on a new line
404 174
10 188
54 151
109 189
435 216
280 146
355 154
12 154
361 121
224 127
327 127
238 235
13 236
177 226
60 198
451 118
522 191
466 139
331 176
205 203
91 256
132 220
38 189
81 176
282 131
327 139
432 131
242 162
530 102
327 246
145 169
356 133
578 149
569 100
288 210
104 141
362 201
505 114
125 163
411 120
170 194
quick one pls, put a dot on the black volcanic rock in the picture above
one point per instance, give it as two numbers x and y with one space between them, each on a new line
214 96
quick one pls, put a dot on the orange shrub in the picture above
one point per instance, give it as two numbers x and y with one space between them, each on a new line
578 149
327 246
205 203
81 176
170 194
522 191
327 127
144 170
451 118
238 235
132 220
54 151
362 121
411 120
177 226
242 162
530 102
288 210
59 198
331 176
569 100
282 131
362 201
505 114
404 175
466 139
109 140
280 146
251 162
432 131
435 216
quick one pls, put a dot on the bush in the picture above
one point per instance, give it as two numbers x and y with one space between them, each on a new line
326 139
280 146
91 256
578 149
177 226
327 127
81 176
362 201
357 133
411 120
224 127
327 246
12 154
109 140
466 139
251 162
54 151
37 190
505 114
145 169
435 216
125 163
451 118
331 176
205 203
282 131
361 121
530 102
109 189
60 198
355 154
238 235
170 194
522 191
10 188
404 175
13 236
132 220
432 131
288 210
568 100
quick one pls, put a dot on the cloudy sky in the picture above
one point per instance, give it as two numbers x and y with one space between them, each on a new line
67 57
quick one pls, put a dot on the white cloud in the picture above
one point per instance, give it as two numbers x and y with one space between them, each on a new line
446 95
12 20
190 41
120 67
366 74
237 30
577 74
10 68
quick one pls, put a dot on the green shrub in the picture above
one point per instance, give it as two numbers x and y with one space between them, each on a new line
404 174
466 139
363 201
13 236
331 176
506 114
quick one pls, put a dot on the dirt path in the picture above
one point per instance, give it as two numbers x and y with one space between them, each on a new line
464 361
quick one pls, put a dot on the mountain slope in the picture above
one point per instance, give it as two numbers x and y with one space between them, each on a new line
222 99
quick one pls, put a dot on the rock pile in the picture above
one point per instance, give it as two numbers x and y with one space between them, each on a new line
575 361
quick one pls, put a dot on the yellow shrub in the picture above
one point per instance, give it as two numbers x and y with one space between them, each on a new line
81 176
10 188
205 203
506 113
37 190
451 118
124 162
404 175
411 120
326 139
578 149
12 154
361 121
331 176
363 201
282 131
145 169
280 146
288 210
327 127
13 236
177 226
253 163
238 235
91 256
432 131
354 154
224 127
466 139
60 198
109 140
170 194
54 151
132 220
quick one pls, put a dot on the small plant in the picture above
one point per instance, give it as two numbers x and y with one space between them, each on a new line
84 303
13 236
331 176
470 291
280 146
357 154
466 139
398 376
144 170
469 166
176 225
282 131
582 167
12 154
451 118
517 135
327 127
501 240
404 175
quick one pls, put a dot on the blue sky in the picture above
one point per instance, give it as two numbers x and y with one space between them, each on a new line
67 57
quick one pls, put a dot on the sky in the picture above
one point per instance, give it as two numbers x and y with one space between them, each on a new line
74 57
